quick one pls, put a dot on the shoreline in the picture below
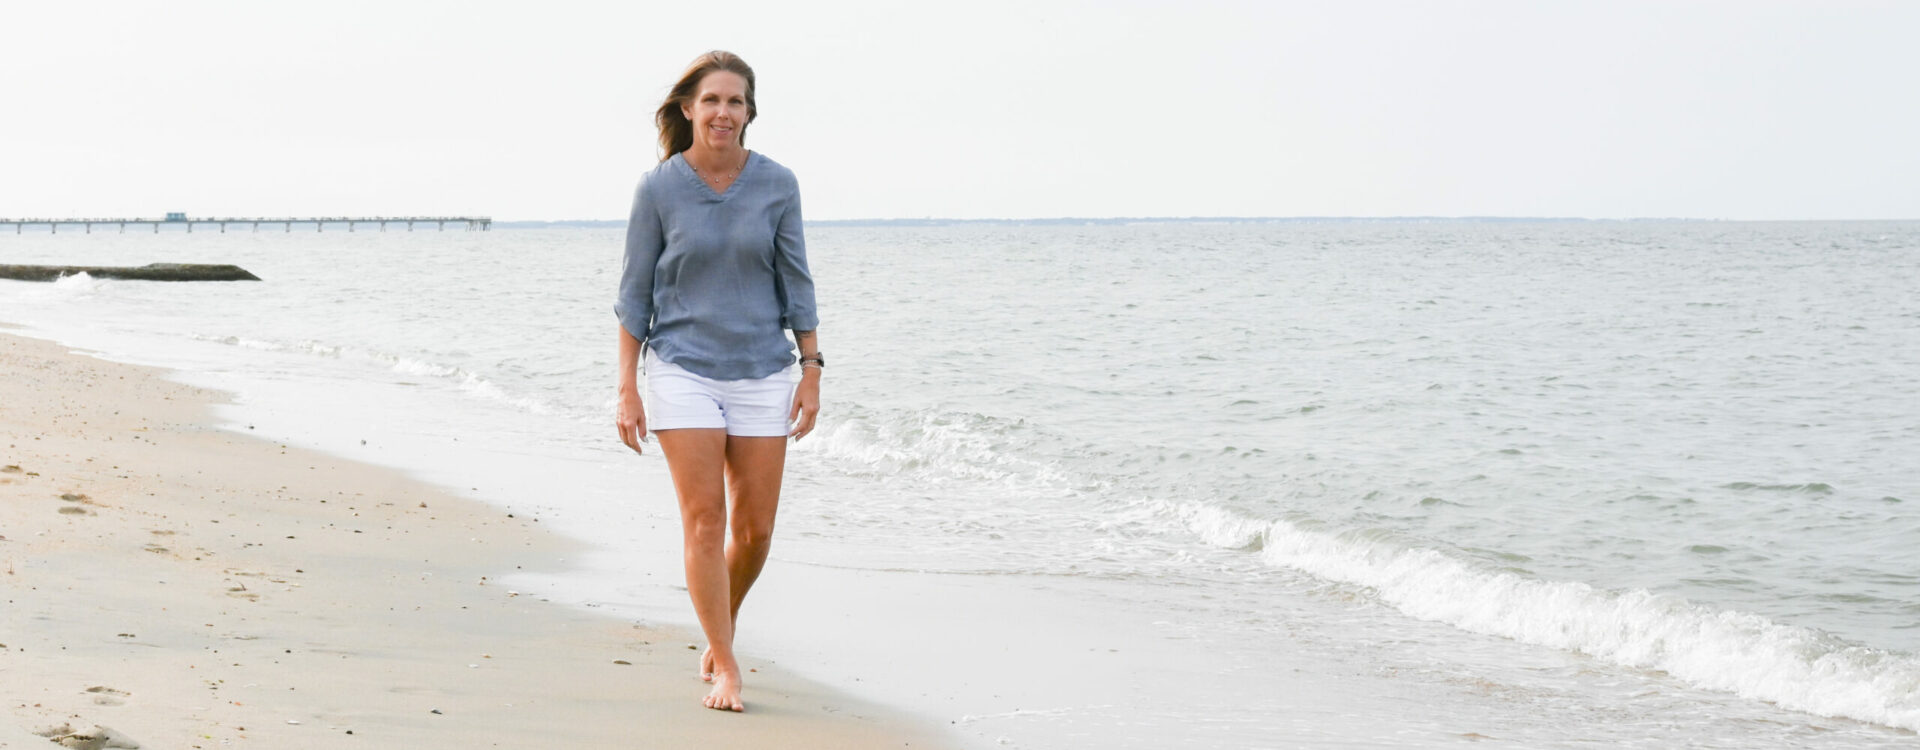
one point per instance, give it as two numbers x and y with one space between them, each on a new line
188 586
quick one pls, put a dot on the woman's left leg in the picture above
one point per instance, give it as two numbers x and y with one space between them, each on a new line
755 466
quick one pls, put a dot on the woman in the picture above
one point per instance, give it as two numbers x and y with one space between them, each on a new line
715 273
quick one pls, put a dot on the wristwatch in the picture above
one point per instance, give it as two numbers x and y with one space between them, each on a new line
818 359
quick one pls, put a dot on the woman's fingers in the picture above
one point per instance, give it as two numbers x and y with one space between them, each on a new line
803 419
629 434
631 420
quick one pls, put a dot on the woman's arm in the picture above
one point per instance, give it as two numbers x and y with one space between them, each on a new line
796 295
806 395
633 305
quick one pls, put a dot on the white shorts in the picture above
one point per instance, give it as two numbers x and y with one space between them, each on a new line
678 400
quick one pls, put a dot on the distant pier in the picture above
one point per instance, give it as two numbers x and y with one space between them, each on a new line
472 223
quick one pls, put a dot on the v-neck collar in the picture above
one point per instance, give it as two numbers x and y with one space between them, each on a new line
687 169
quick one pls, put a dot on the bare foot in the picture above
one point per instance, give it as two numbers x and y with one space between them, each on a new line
706 665
726 692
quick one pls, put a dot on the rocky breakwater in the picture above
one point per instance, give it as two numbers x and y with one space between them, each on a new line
149 272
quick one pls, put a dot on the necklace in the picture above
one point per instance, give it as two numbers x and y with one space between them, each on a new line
717 179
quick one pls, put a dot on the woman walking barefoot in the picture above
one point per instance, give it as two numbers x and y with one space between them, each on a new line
714 275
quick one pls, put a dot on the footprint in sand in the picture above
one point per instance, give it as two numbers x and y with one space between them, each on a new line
102 738
107 696
76 510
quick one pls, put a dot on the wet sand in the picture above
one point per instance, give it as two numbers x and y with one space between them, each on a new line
186 586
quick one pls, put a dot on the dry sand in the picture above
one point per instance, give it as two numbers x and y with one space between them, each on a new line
190 587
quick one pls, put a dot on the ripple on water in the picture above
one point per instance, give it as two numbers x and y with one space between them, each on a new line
1811 488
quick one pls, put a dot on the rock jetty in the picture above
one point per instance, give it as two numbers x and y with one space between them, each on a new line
149 272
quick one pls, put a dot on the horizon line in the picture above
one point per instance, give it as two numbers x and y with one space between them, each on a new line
936 221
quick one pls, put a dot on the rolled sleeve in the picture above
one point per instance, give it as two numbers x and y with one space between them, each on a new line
633 304
797 311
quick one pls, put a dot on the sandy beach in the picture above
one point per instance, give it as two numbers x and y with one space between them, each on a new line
186 586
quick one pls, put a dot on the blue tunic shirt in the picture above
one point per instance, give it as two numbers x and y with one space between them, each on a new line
711 281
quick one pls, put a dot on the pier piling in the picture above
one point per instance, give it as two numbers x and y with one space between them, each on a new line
480 223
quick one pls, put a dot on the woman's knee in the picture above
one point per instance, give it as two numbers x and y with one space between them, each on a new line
753 532
704 527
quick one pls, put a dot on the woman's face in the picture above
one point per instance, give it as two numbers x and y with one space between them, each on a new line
718 110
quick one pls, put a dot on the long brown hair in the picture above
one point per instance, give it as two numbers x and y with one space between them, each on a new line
676 133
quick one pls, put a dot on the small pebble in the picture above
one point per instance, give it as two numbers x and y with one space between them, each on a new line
623 662
436 710
293 721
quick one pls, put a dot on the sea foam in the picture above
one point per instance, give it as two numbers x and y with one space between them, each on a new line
1796 667
937 446
462 379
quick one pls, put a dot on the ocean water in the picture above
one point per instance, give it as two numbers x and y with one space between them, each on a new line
1375 484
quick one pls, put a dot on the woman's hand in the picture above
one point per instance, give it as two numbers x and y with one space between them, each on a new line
631 417
806 403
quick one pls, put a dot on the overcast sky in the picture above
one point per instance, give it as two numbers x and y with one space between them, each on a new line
1739 110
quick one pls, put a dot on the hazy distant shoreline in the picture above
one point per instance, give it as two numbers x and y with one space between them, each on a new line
1070 221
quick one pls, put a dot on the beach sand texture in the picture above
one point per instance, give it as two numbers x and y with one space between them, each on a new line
191 587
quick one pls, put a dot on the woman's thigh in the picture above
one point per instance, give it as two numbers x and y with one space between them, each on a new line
755 466
697 459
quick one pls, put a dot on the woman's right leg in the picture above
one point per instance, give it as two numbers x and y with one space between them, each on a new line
697 460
